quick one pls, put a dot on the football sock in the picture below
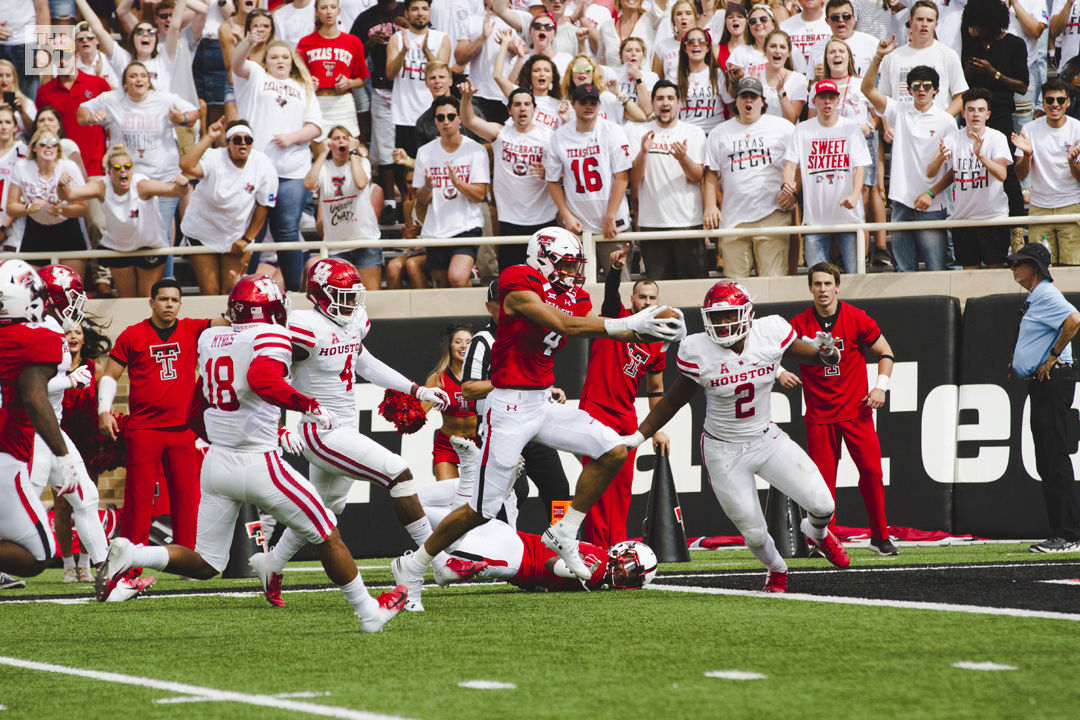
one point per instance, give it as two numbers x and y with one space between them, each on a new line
768 555
69 562
358 596
155 557
289 544
419 530
812 531
573 519
420 559
84 560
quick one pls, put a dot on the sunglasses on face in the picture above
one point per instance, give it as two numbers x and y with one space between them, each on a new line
446 117
697 41
48 143
84 38
118 166
581 69
924 85
762 19
837 17
241 139
546 26
145 31
1056 100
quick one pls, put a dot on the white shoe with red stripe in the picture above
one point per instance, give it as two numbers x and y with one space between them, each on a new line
117 562
129 588
390 604
270 580
405 575
455 570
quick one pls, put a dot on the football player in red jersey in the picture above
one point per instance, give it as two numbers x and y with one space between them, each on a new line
243 390
839 402
29 356
735 360
160 357
542 304
611 383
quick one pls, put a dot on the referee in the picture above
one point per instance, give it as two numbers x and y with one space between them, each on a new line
542 463
1043 357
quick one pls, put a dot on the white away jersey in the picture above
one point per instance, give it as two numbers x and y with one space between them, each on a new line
328 373
737 386
238 418
586 164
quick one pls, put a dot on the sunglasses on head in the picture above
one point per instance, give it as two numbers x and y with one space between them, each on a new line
837 17
446 117
121 166
697 41
241 139
1056 100
762 19
48 143
921 85
544 26
145 31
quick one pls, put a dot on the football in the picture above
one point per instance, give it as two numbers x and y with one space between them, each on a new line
667 312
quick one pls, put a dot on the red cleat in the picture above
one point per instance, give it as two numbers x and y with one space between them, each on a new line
831 548
270 580
456 570
775 582
390 605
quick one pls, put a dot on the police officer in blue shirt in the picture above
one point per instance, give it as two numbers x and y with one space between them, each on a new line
1043 357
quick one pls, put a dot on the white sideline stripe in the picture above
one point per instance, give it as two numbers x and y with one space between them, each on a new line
1074 581
874 602
203 698
875 569
988 666
203 692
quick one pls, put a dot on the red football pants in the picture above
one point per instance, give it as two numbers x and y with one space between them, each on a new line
605 523
823 441
148 453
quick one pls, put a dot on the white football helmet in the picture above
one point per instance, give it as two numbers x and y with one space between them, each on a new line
631 564
724 297
22 292
558 255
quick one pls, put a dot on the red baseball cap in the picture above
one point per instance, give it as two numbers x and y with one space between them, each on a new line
825 86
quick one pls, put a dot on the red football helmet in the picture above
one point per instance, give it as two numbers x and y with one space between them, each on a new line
258 299
66 296
335 287
558 255
725 297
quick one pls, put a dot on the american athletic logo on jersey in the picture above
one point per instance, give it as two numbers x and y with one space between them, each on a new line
338 183
637 358
165 355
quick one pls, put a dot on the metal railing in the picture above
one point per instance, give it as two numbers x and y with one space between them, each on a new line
324 248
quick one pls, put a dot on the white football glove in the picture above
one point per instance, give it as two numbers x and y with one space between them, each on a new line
319 415
433 395
825 344
290 442
646 323
80 377
69 466
632 441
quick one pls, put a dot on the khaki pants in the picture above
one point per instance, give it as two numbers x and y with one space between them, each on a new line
1063 239
770 251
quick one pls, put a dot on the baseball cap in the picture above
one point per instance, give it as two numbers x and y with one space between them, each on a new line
735 8
1033 252
585 92
827 86
493 291
749 85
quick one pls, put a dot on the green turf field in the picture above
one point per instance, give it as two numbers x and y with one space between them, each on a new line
630 654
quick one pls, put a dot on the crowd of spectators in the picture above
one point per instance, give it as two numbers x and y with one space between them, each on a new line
222 123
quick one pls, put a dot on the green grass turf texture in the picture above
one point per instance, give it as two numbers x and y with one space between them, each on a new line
583 655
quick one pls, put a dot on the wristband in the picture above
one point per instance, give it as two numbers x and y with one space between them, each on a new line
1054 353
882 382
106 394
637 81
930 192
615 326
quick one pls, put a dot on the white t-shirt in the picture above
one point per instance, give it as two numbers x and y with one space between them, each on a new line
667 50
751 60
748 161
451 213
160 67
17 14
482 66
521 198
586 164
804 36
1037 10
916 137
7 165
144 127
346 210
1070 36
702 107
26 177
275 106
547 112
131 223
827 158
410 96
862 46
853 104
977 195
795 87
224 200
107 71
628 86
610 107
1052 185
666 198
892 76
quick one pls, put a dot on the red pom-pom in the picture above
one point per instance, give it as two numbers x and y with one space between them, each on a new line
403 410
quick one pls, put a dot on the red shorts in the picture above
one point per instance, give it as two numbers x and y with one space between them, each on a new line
443 451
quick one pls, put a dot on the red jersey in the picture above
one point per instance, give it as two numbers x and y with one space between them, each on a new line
161 367
327 58
89 138
834 394
615 370
459 406
523 351
534 575
22 344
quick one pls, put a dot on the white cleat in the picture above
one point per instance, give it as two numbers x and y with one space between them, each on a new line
405 575
565 543
129 588
270 580
468 455
390 604
117 562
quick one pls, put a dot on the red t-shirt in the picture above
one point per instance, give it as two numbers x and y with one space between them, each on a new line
89 138
534 574
523 351
615 370
459 406
327 58
161 367
22 344
834 394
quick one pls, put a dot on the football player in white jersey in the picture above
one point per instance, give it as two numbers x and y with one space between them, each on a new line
64 309
243 380
328 354
737 360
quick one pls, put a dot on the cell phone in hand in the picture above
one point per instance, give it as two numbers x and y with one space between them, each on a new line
9 98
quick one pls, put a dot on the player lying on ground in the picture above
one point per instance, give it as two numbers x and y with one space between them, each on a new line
736 360
243 382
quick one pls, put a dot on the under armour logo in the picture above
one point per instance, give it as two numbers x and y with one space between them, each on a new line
511 408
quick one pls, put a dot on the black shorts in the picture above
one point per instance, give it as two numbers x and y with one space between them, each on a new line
494 110
62 237
144 262
405 138
975 245
438 258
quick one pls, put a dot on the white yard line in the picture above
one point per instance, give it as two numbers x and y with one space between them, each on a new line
875 569
204 693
